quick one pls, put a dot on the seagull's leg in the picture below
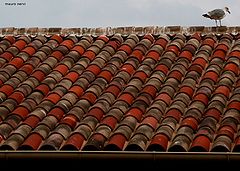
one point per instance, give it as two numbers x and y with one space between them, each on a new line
220 22
216 23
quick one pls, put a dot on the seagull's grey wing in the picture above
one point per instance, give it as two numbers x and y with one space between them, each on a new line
216 14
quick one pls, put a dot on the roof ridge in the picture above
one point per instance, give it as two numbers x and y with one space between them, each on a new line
122 30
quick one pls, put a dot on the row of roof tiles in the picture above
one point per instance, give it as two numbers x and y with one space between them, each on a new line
144 93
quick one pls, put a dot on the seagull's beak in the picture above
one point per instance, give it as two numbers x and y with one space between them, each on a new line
228 11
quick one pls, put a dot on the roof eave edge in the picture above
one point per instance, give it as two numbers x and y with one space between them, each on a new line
193 156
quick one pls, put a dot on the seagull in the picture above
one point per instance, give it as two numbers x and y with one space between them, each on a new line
217 14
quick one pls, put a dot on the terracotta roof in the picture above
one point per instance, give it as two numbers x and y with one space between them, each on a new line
167 92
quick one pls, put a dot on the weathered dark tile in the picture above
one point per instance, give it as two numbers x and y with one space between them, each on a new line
104 130
39 112
23 130
165 130
222 144
154 112
115 112
180 144
124 130
5 130
53 142
12 143
13 120
49 121
36 97
137 143
10 104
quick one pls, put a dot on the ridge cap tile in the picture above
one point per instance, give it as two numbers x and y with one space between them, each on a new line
124 30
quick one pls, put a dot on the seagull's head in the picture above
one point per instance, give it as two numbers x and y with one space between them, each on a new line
227 10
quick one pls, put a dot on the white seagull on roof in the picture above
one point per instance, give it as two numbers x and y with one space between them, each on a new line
217 14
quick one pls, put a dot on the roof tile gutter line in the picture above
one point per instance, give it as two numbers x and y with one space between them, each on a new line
153 156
